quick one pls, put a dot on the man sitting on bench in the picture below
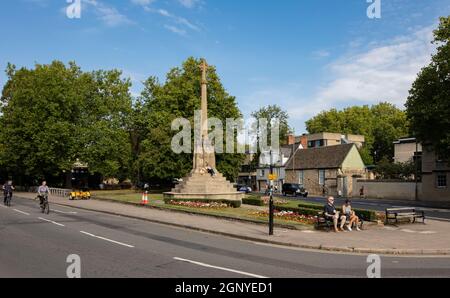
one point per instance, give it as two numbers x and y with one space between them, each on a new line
331 213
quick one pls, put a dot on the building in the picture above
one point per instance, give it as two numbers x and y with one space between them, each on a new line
278 159
435 177
326 139
247 173
326 169
406 150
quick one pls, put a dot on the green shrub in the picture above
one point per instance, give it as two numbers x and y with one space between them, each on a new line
231 203
255 201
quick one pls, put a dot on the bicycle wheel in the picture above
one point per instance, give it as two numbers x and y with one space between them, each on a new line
47 208
8 200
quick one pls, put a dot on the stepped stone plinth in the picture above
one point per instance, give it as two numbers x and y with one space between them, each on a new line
203 186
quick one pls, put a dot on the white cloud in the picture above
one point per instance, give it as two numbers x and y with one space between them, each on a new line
189 3
179 21
142 2
321 54
108 14
175 30
382 73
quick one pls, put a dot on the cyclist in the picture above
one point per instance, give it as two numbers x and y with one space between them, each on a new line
7 190
43 192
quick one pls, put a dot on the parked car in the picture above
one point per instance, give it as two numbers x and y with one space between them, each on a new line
177 180
245 189
294 190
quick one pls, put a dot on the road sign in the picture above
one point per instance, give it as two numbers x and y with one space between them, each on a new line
272 177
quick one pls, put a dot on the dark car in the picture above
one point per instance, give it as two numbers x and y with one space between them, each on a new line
294 190
245 189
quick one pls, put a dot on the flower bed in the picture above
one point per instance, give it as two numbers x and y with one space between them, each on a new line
199 205
288 215
276 201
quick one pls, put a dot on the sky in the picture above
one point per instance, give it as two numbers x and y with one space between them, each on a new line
303 55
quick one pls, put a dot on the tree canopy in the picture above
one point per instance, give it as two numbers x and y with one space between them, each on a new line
381 125
273 114
428 105
54 114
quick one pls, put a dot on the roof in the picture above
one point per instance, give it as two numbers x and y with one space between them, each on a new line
286 150
405 141
331 157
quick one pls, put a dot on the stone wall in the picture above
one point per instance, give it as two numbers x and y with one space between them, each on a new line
430 192
394 190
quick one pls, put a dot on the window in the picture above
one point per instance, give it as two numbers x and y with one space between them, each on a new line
441 181
263 173
301 177
321 177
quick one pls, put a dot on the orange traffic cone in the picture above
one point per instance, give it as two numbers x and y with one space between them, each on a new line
144 199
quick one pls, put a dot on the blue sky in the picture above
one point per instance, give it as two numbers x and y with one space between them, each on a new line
304 55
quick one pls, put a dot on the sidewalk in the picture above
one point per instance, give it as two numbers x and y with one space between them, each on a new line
417 239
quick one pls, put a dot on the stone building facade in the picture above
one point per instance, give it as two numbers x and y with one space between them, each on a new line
326 170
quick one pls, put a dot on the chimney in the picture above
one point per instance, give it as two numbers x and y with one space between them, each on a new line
291 139
304 141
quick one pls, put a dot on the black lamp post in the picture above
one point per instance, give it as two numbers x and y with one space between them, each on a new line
271 206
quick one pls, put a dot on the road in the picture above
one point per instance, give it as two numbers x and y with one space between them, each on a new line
37 245
377 205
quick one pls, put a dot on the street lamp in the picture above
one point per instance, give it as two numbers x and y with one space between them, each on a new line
271 206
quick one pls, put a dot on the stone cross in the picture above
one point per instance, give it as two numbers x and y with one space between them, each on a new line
202 157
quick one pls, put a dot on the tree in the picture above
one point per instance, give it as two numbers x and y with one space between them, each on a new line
273 114
53 114
389 170
428 105
380 124
179 97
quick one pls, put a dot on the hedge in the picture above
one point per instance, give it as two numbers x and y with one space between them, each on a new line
255 201
299 210
231 203
367 215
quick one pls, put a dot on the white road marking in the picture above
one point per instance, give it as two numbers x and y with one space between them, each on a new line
64 212
408 231
21 212
219 268
428 232
51 221
106 239
3 206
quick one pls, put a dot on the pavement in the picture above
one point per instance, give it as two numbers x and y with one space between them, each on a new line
432 238
437 211
37 245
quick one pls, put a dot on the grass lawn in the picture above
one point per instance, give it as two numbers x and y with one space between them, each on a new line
157 200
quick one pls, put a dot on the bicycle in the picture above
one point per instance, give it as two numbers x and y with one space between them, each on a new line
45 206
8 199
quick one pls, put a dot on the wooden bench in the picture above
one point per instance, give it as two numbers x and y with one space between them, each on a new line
394 214
323 221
